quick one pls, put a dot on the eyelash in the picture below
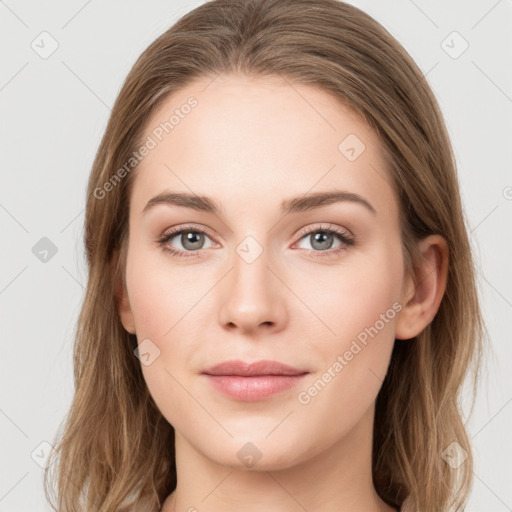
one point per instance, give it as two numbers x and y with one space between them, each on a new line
342 236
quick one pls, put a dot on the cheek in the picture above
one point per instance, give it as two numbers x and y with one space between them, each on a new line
163 300
360 306
360 294
159 304
159 296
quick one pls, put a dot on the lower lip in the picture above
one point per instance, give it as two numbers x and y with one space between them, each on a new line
253 388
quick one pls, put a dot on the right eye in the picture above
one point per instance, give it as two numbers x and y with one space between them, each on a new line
191 239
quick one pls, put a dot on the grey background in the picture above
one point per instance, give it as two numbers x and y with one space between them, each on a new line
53 114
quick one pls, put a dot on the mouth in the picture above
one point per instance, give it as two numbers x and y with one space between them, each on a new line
252 382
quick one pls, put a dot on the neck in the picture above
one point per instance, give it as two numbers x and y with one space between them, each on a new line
336 480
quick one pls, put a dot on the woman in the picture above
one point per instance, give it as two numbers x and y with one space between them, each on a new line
224 357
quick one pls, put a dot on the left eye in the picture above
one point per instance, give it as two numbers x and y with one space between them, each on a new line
323 239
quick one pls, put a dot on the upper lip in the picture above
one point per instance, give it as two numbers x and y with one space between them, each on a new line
243 369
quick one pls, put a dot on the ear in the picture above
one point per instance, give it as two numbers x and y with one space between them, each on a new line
121 294
424 288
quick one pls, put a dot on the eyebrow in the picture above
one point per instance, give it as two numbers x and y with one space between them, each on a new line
294 205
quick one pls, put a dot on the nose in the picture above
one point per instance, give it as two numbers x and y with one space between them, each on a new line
252 297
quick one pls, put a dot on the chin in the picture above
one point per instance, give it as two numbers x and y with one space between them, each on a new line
256 453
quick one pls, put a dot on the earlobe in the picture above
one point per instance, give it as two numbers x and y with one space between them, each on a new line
121 293
425 288
125 311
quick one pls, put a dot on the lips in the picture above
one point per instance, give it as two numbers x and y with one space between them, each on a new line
243 369
255 381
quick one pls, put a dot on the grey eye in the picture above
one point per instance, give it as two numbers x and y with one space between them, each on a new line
321 240
190 240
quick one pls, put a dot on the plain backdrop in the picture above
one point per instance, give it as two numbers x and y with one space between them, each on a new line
54 109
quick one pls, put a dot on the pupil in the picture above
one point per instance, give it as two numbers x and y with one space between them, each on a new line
191 238
320 238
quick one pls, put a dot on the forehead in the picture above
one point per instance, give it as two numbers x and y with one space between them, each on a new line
259 137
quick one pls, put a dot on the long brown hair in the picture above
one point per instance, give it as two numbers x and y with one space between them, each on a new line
115 448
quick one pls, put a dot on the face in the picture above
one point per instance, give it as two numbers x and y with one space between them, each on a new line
271 274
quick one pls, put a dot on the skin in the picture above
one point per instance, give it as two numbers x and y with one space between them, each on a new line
250 144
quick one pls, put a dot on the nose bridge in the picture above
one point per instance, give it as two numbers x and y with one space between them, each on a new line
250 266
250 296
251 276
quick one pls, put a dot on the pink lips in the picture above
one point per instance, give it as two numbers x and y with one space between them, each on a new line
251 382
